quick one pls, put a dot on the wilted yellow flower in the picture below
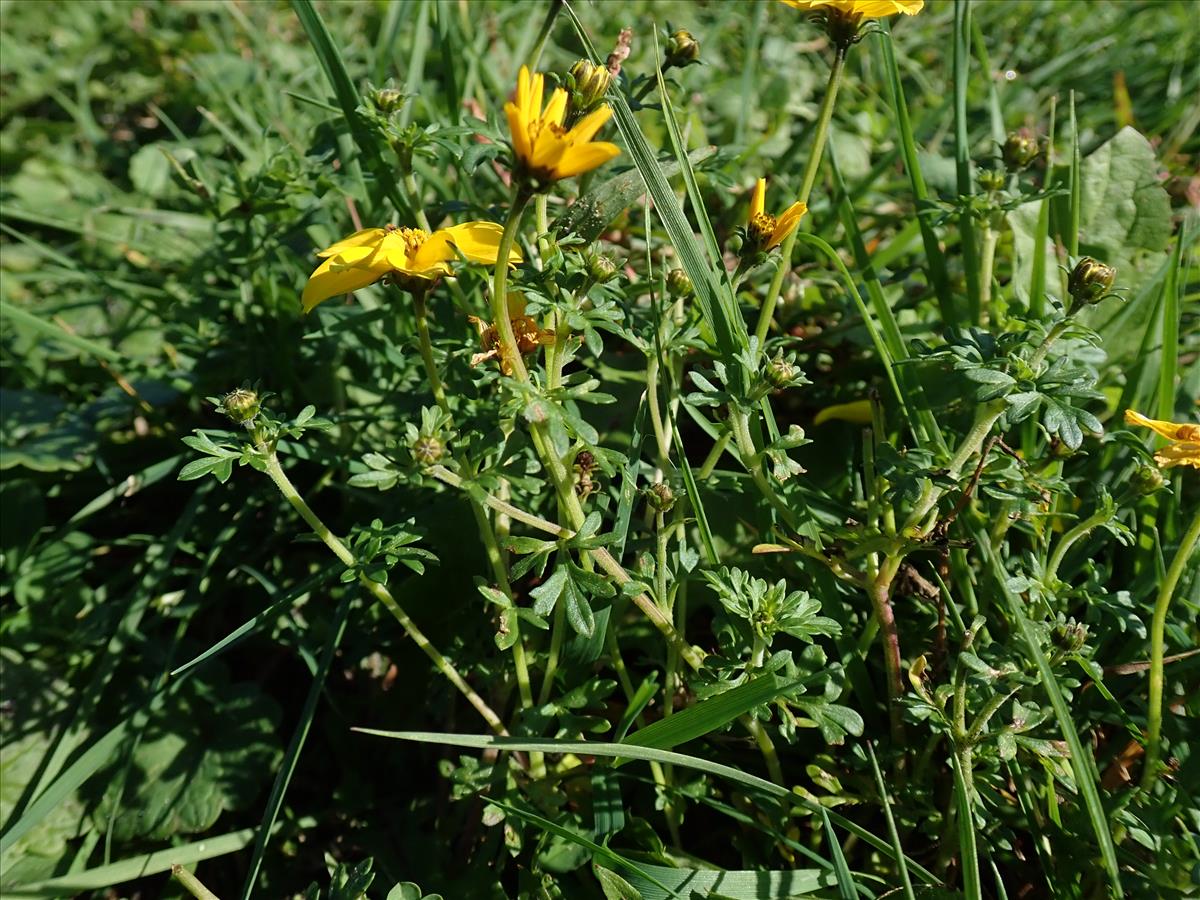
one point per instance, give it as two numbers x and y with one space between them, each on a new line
860 9
366 256
528 334
765 231
1184 449
545 150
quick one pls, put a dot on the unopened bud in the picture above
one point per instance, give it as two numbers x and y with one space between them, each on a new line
1147 479
1090 281
387 99
780 373
1070 636
991 180
660 497
682 50
602 268
588 84
427 449
241 405
679 284
1020 149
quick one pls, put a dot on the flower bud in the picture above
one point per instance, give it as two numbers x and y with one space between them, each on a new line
679 284
682 50
780 373
1147 479
387 99
427 449
241 405
1020 149
1090 281
991 180
660 497
602 268
1070 636
588 83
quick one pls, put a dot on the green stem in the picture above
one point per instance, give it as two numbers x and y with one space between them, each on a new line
714 456
426 345
767 313
377 590
499 301
879 592
192 884
535 55
1157 646
1065 542
413 196
661 437
987 262
557 629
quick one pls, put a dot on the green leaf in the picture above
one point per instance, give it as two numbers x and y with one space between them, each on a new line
1125 208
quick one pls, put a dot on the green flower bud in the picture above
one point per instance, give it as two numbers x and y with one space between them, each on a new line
241 405
602 268
660 497
1070 636
1020 149
991 180
387 99
588 83
682 50
427 449
1147 479
679 284
1090 281
780 373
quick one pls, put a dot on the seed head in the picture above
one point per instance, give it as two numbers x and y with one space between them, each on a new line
602 268
660 497
427 449
1020 149
679 284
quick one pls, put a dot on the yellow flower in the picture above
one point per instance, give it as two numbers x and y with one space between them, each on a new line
545 150
764 230
1184 449
366 256
860 9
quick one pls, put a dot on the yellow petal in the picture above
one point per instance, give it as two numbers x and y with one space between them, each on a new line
556 109
1184 453
1169 430
479 242
584 158
758 198
536 84
787 223
585 129
358 239
328 282
857 411
518 127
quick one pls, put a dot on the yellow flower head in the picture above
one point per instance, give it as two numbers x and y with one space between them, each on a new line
545 150
1184 449
765 231
366 256
860 9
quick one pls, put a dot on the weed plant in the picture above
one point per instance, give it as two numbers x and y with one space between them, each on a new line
728 449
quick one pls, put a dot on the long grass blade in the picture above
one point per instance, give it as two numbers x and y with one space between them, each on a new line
1082 762
295 746
666 757
934 259
962 156
893 835
1168 365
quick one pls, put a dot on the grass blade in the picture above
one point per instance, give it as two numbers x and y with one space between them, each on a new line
284 778
666 757
908 148
845 881
893 835
962 155
1037 277
1168 366
1084 766
135 867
